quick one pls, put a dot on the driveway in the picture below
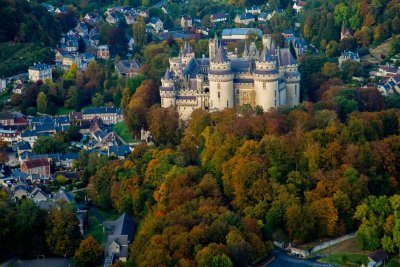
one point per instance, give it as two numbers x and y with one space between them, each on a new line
284 260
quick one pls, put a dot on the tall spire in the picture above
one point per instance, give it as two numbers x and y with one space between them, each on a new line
245 51
272 50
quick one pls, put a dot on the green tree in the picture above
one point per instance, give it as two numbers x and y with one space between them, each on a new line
29 230
41 102
97 100
139 32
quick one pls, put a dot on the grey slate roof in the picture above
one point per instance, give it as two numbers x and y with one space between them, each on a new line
220 57
167 75
39 67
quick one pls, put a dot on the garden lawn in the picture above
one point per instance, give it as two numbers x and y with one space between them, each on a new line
64 111
123 131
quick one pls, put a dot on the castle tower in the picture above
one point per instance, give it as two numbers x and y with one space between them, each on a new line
245 54
267 41
186 53
167 90
212 47
220 77
266 83
175 65
292 80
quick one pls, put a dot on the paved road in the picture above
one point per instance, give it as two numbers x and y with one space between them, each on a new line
284 260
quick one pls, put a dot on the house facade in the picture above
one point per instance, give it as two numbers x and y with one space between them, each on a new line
156 24
245 19
40 72
107 115
103 52
348 56
186 22
36 166
127 68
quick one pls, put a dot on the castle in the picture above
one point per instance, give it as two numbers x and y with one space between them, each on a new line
268 79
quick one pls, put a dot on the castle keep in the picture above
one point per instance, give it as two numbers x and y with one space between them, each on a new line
268 79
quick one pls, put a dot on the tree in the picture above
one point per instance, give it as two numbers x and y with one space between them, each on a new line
300 222
50 144
41 102
29 230
97 100
139 32
62 232
330 70
89 253
164 125
341 13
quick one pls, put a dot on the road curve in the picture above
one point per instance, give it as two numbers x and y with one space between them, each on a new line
284 260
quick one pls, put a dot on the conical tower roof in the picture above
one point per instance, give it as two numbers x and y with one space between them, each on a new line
220 57
167 75
265 55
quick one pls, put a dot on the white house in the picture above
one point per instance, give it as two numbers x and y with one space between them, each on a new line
245 19
255 10
40 72
186 22
348 56
219 17
298 6
156 24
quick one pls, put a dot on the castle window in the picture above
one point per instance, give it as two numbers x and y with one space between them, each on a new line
227 103
218 86
219 94
295 90
275 102
264 86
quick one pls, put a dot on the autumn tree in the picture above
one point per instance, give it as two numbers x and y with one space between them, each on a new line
145 96
62 232
89 253
164 125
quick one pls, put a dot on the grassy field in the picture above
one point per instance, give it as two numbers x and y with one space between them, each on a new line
95 228
375 53
121 129
64 110
346 253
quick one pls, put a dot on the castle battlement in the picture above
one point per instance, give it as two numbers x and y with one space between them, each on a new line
268 78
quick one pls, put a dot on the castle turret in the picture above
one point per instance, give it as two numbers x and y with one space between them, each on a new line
212 47
266 78
186 54
292 79
167 90
267 41
220 77
175 65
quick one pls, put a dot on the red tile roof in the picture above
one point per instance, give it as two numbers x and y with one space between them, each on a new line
35 163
